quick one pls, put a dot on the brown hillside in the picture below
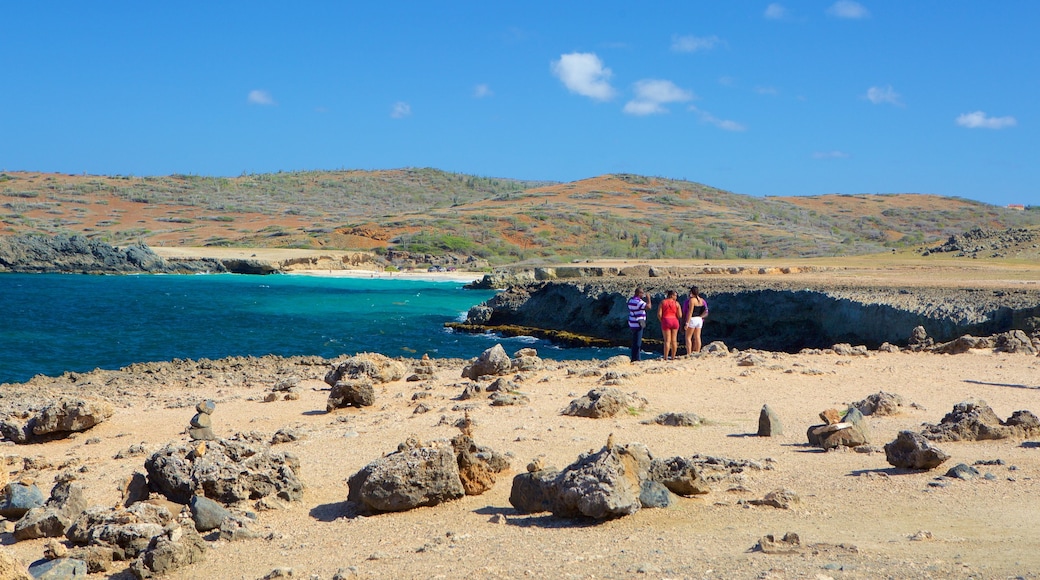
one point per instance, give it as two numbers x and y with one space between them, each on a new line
426 210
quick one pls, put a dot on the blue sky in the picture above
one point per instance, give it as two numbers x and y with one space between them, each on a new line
761 98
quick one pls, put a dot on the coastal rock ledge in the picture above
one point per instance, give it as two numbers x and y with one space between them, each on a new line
768 315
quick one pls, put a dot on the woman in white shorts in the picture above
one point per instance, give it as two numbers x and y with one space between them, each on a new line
695 310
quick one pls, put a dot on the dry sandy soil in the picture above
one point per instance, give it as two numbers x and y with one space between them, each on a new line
901 526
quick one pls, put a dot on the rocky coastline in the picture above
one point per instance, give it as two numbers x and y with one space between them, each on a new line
768 314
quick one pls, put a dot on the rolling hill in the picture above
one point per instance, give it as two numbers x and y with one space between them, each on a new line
504 220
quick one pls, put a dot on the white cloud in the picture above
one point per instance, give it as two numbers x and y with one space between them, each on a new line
651 94
695 43
775 11
979 120
724 124
400 110
258 97
884 95
771 91
727 81
848 9
583 73
830 155
481 91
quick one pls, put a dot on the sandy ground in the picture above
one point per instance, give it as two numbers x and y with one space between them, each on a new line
901 526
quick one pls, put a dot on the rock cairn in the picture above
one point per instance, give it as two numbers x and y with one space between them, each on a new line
201 426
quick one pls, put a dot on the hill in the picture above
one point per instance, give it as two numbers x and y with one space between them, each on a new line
432 211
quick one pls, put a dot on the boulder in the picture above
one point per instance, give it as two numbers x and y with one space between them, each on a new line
1014 341
415 475
531 491
508 399
60 569
55 517
177 546
493 361
600 485
19 498
654 495
231 470
911 450
375 367
604 402
769 423
206 513
351 393
127 532
974 420
880 404
963 471
679 475
526 359
69 415
676 420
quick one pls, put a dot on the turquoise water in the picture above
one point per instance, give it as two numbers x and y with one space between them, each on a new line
54 323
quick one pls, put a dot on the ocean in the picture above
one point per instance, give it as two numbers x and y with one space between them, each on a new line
67 322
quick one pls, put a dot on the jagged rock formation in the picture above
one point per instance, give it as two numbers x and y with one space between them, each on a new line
79 254
769 315
989 243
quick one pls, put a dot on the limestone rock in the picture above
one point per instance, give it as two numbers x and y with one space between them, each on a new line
778 498
477 465
974 420
375 367
127 532
880 404
911 450
419 475
174 548
604 402
351 393
679 475
55 517
493 361
676 420
600 485
531 491
69 415
232 470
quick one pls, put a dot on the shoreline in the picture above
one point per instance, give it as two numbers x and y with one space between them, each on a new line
423 276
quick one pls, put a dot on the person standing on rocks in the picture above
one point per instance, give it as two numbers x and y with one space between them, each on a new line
637 307
695 310
669 312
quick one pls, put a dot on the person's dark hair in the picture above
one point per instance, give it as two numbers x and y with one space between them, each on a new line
638 291
695 291
671 294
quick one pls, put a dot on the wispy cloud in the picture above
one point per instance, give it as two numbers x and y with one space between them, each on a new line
979 120
723 124
692 43
884 96
775 11
771 91
830 155
481 91
583 73
652 94
727 81
848 9
400 110
259 97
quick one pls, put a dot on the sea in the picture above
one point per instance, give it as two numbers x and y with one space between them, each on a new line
53 323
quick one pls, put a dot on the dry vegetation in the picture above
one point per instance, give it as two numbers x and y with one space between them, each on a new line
426 210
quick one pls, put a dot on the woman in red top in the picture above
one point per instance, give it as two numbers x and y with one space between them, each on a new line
669 312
